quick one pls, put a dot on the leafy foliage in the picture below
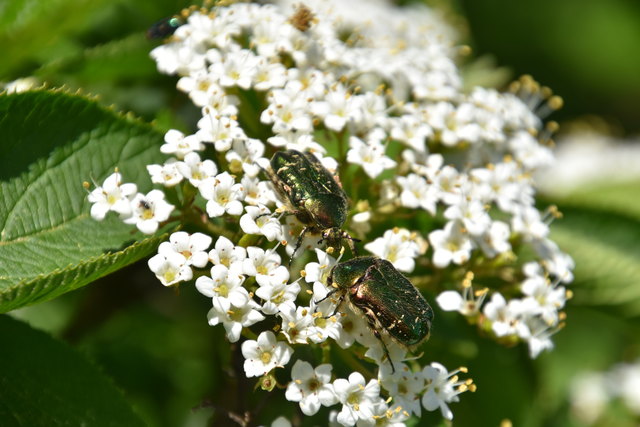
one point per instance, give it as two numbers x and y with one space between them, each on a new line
45 382
49 243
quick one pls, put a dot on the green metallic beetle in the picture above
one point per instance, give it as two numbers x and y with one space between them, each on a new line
385 297
312 194
164 28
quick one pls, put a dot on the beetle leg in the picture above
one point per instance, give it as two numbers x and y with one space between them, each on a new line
340 301
298 243
329 294
350 241
374 328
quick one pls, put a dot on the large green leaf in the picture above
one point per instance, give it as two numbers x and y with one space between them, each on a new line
33 31
616 197
44 382
604 245
51 143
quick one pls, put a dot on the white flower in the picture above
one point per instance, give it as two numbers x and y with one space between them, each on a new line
257 192
325 323
442 388
412 130
556 262
399 246
258 221
265 266
292 231
404 387
225 253
236 69
370 155
471 213
425 165
170 268
297 323
526 220
354 327
196 170
112 196
360 223
495 240
337 108
543 298
454 124
179 145
265 354
167 174
193 247
281 421
219 130
384 416
222 194
269 75
148 211
506 319
537 334
288 110
388 359
449 183
294 140
357 398
203 91
276 294
319 271
589 396
468 303
417 193
234 317
498 184
625 380
224 283
311 387
245 155
450 244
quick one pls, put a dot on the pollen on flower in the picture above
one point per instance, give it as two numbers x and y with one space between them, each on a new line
265 357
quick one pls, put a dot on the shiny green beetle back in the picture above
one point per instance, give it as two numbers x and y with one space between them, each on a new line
301 179
387 298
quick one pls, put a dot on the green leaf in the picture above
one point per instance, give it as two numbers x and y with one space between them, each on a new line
35 31
604 246
121 59
617 197
45 382
52 142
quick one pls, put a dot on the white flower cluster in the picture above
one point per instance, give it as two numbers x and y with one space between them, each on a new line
591 392
534 318
377 87
145 211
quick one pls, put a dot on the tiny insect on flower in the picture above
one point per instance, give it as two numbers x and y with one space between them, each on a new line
164 28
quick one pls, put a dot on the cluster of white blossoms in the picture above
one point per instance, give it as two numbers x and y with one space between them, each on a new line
439 180
592 392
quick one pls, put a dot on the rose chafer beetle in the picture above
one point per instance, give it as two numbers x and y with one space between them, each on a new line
387 299
164 28
311 193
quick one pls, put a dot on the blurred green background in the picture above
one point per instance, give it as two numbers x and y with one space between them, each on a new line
156 344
